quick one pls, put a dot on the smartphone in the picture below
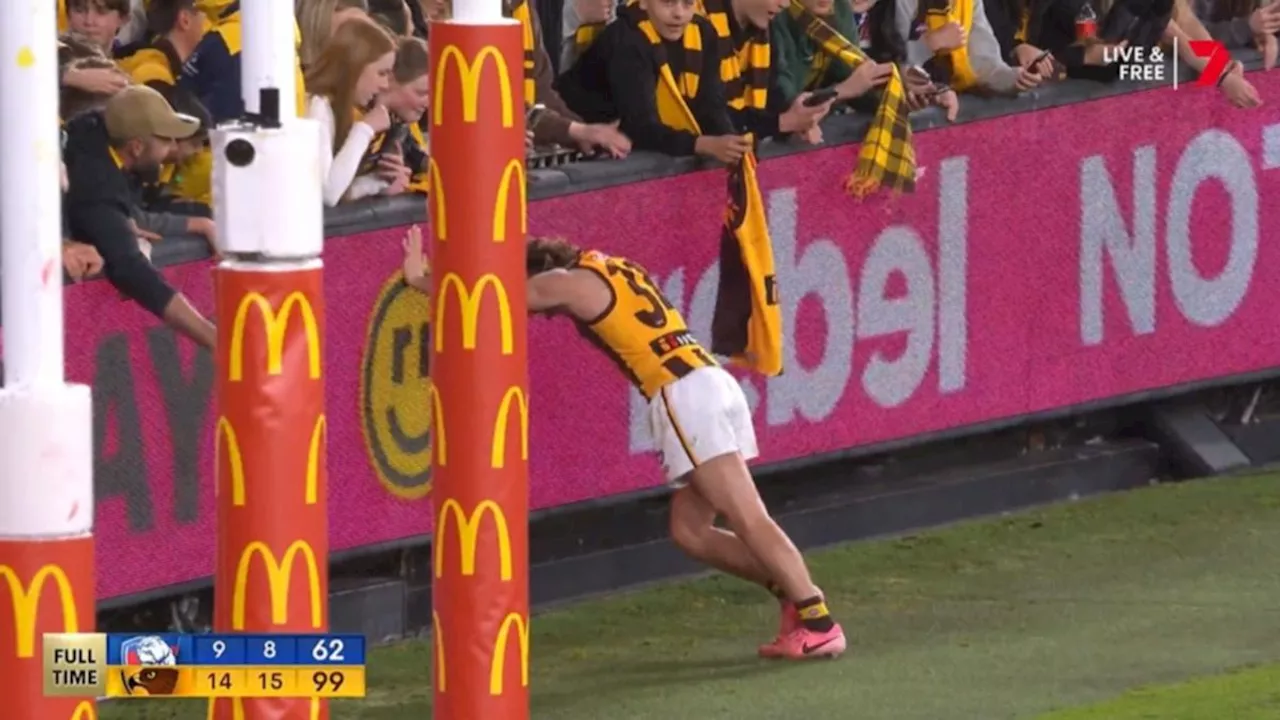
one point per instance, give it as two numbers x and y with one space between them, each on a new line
919 74
1043 56
820 97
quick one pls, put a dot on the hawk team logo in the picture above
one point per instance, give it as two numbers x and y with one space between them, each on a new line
153 682
158 680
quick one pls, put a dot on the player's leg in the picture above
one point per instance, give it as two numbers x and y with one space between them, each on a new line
725 482
693 530
704 428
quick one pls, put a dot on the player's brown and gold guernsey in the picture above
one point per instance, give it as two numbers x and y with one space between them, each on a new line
641 330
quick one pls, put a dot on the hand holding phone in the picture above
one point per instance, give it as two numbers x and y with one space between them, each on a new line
820 97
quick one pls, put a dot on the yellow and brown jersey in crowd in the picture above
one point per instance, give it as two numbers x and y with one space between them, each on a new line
640 330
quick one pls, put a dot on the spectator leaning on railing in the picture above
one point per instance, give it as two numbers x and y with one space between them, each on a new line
183 184
396 161
354 68
951 40
79 260
133 133
1185 27
1239 23
748 69
816 51
656 69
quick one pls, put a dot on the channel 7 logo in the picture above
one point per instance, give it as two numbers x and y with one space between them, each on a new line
1216 61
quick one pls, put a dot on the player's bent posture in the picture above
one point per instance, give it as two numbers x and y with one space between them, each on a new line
700 422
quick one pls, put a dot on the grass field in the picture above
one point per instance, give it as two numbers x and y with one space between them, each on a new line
1129 606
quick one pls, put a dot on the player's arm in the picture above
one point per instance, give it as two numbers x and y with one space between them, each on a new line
551 289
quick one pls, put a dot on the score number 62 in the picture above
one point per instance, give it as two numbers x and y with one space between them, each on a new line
329 650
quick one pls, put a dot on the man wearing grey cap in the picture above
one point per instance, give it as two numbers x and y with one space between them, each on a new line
133 133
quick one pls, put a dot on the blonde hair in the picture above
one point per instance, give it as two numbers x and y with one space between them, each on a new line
315 22
356 45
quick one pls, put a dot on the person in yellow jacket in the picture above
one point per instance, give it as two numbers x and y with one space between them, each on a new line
212 73
174 31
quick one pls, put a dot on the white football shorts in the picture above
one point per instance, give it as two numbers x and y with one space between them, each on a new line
701 416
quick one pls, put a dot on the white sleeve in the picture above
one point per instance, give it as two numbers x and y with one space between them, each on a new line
337 171
367 186
984 54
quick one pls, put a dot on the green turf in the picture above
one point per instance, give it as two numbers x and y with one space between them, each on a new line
1252 694
1006 618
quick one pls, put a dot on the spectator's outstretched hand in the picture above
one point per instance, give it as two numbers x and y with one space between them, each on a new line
415 264
869 74
800 118
378 118
80 260
951 36
1240 91
606 137
97 81
1029 58
728 149
1266 19
392 169
1027 79
949 101
1269 47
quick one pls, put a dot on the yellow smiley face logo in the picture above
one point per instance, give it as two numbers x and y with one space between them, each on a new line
395 390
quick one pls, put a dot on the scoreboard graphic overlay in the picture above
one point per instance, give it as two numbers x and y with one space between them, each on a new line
204 666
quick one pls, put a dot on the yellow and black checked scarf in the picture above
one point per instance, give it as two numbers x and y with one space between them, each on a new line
887 156
954 63
747 324
521 12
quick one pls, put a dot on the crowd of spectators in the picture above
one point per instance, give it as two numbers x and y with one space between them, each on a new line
143 81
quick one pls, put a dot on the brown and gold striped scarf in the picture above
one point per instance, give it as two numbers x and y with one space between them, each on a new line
521 12
747 323
954 63
887 156
743 70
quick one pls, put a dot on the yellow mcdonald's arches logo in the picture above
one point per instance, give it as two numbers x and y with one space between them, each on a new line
225 433
26 604
468 536
441 219
275 326
469 74
315 453
470 302
515 169
498 665
498 455
437 639
237 708
85 711
279 577
234 459
442 441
